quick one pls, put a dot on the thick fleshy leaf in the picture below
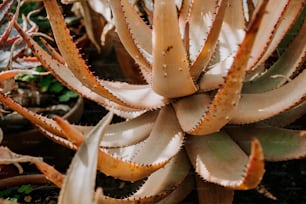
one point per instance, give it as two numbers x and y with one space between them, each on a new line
140 31
137 96
78 188
200 21
158 185
62 140
71 54
140 160
238 171
121 10
225 101
213 193
232 31
292 10
184 13
137 161
148 98
281 71
71 133
278 144
56 66
126 133
180 192
38 120
190 110
260 106
214 77
171 77
129 132
231 35
274 11
50 172
207 48
286 118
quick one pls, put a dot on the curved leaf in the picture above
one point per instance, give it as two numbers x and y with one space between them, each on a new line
291 13
200 19
158 185
207 48
122 15
271 19
138 161
71 54
238 171
260 106
278 144
170 76
281 71
225 101
78 188
125 133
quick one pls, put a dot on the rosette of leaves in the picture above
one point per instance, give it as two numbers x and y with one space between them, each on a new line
212 93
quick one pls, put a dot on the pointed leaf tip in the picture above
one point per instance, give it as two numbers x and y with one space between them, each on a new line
80 189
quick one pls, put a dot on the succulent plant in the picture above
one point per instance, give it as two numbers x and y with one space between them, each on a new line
213 93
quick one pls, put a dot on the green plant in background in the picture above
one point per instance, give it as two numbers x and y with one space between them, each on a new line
11 195
212 93
46 84
14 54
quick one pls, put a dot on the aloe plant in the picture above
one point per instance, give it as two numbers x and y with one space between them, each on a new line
210 95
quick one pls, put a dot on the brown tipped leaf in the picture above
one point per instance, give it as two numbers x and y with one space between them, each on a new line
140 160
281 71
71 54
289 15
158 185
40 121
225 101
278 144
271 19
148 99
218 159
